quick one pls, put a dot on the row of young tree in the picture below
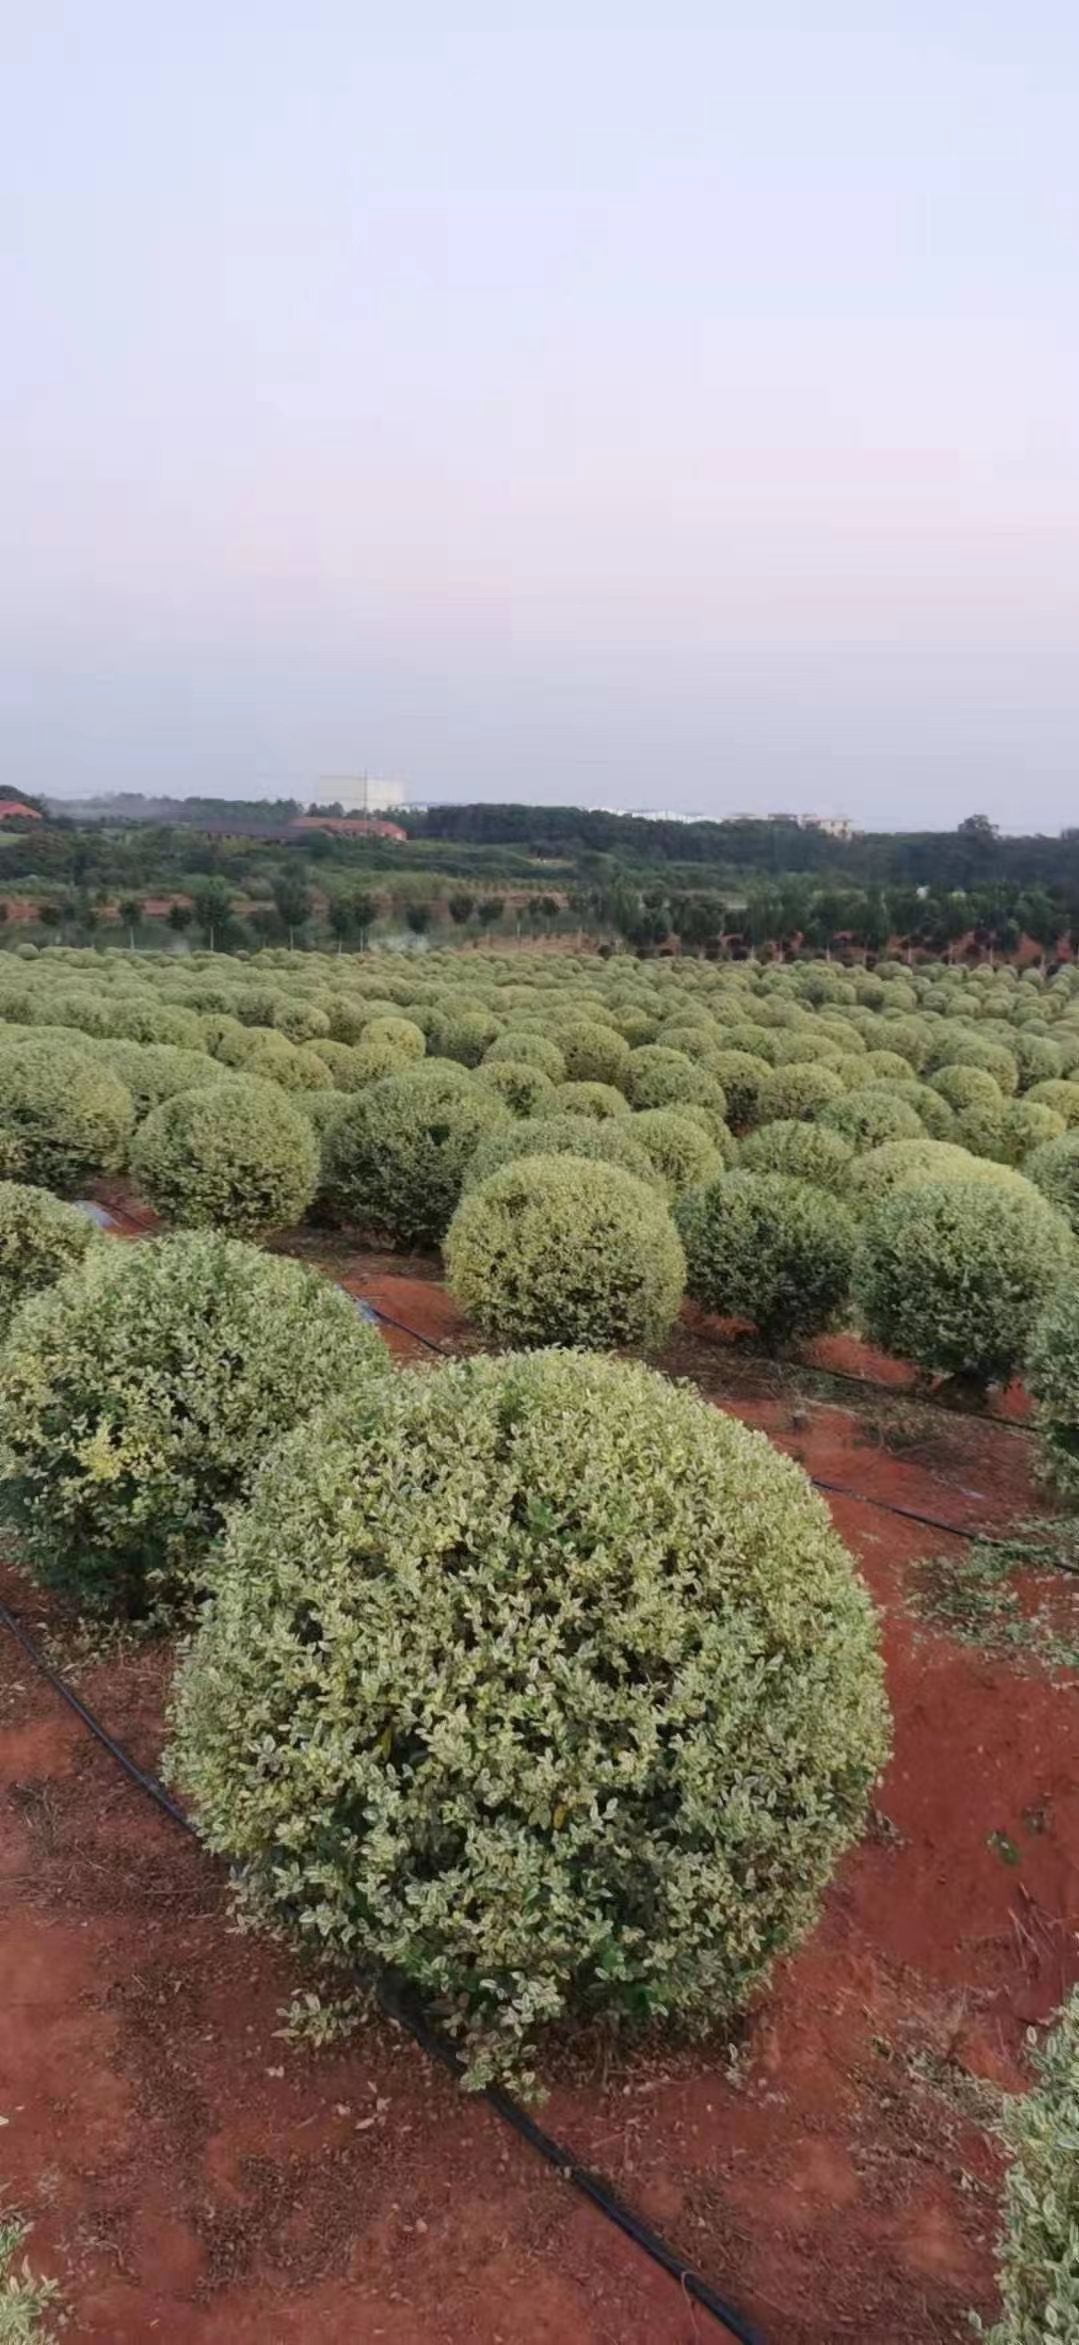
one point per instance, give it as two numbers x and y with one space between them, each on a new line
795 913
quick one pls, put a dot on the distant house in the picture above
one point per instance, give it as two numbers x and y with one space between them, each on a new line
12 809
351 826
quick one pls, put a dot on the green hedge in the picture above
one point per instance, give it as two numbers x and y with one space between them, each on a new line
605 1703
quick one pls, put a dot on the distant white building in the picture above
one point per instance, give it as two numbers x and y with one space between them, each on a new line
360 794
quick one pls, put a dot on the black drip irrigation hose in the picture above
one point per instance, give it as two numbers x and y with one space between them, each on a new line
399 2003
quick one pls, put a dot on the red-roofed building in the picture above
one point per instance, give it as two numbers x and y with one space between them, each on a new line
12 807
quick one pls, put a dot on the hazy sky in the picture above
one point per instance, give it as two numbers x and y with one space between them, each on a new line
630 404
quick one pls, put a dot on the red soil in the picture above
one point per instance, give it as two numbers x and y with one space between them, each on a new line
192 2176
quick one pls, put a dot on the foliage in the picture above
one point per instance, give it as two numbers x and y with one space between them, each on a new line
67 1114
25 2300
1054 1169
557 1249
871 1117
682 1151
139 1393
609 1142
532 1050
792 1094
599 1100
1039 2247
40 1238
604 1705
236 1156
1052 1377
764 1247
667 1078
593 1053
525 1090
953 1273
805 1152
395 1160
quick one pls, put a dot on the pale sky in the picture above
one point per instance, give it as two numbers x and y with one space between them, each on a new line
602 402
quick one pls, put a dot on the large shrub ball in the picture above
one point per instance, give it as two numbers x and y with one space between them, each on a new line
524 1089
599 1100
763 1247
870 1117
795 1094
667 1078
1054 1169
1062 1097
952 1274
559 1694
739 1074
805 1152
68 1115
153 1071
610 1142
1027 1125
396 1159
681 1150
555 1249
593 1053
139 1393
40 1238
236 1156
464 1034
531 1050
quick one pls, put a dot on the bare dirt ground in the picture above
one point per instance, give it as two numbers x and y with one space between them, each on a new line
193 2177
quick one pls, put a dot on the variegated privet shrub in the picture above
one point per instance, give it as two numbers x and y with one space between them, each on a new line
68 1115
609 1142
1052 1377
1039 2274
554 1249
139 1393
546 1684
40 1238
763 1247
952 1274
236 1156
395 1160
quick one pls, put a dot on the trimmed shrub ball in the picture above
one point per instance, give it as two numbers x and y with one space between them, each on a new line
740 1075
952 1275
559 1693
797 1093
554 1249
68 1115
237 1156
593 1053
804 1152
611 1142
529 1050
682 1151
868 1118
1054 1169
1028 1124
773 1250
139 1394
1062 1097
40 1238
396 1159
525 1090
600 1100
464 1035
153 1071
1052 1377
667 1078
